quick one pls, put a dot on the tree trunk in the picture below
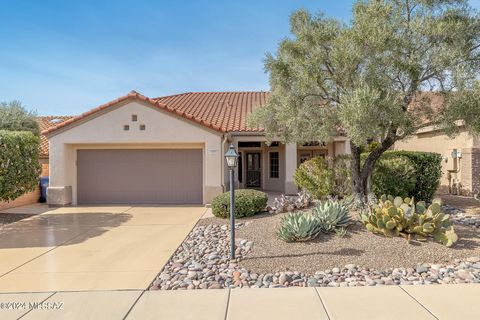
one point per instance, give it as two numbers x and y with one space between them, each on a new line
361 174
359 185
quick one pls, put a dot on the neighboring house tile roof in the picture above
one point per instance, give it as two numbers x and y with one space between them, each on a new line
45 123
220 111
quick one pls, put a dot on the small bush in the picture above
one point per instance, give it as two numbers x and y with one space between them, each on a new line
299 226
394 175
331 215
248 202
315 176
19 166
403 217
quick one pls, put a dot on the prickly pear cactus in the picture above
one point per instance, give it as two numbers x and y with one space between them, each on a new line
403 217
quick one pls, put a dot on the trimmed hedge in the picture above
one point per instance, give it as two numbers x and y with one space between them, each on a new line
19 166
394 175
248 202
428 171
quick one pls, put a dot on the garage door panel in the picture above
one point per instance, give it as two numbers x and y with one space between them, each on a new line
140 176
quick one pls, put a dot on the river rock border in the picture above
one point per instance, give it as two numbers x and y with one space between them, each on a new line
203 262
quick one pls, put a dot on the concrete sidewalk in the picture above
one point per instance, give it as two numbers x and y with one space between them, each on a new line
385 302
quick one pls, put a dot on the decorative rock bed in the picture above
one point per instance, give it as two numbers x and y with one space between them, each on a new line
460 217
202 262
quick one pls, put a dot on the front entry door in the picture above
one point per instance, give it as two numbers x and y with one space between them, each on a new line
254 170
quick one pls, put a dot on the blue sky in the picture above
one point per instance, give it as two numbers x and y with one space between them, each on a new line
66 57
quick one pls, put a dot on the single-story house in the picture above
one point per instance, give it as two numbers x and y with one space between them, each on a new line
170 149
461 155
461 158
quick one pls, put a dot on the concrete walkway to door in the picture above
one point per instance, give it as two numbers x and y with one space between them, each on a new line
428 302
92 248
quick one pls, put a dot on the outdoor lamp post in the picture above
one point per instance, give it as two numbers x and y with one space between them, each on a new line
231 156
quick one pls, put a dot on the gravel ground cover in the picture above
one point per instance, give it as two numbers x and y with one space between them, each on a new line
467 205
7 218
358 259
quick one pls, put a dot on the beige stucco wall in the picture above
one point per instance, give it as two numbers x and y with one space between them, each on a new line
436 141
163 130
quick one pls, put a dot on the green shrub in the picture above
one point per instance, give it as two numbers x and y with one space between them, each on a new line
428 169
315 176
427 173
19 166
403 217
396 172
248 202
394 175
331 215
299 226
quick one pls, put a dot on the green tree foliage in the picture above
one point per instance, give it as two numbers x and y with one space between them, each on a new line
14 117
364 77
19 166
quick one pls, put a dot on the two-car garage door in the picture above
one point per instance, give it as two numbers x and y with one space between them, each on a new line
133 176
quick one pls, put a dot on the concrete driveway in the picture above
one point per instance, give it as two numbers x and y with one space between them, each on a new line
91 248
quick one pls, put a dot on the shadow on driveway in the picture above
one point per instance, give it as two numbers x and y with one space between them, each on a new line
51 230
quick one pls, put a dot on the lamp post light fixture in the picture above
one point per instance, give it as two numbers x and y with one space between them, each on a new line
231 157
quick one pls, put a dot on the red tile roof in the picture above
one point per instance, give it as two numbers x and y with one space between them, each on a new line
220 111
227 111
45 123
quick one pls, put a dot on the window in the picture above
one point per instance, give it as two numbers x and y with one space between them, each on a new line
142 127
134 117
126 127
274 165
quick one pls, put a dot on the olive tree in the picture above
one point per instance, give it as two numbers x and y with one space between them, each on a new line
368 78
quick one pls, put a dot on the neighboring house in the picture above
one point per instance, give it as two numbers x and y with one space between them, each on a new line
169 149
461 158
461 155
33 197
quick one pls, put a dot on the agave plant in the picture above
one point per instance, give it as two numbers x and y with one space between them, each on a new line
299 226
332 215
